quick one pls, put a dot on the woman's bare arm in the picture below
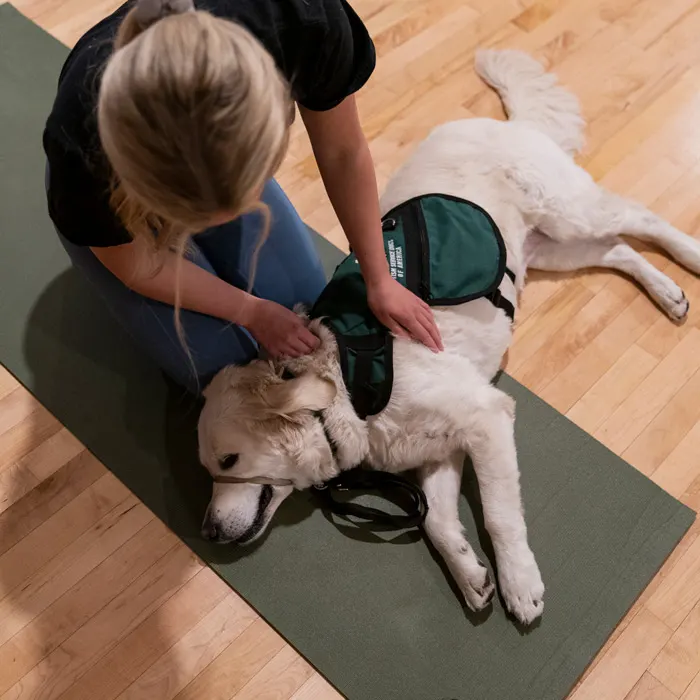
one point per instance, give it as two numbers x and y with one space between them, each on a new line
345 162
155 275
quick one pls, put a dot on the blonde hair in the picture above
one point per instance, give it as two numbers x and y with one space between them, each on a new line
193 116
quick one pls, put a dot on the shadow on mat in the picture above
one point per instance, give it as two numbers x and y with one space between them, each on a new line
83 559
88 373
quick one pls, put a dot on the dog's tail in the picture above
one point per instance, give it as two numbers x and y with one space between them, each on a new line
531 95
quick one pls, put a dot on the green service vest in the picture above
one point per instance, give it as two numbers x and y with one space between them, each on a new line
446 250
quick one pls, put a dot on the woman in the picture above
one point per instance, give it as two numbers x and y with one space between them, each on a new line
168 126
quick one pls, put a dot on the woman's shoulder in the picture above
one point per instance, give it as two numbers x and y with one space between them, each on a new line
279 14
322 47
292 29
72 121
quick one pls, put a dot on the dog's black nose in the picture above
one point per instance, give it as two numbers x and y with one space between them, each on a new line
210 531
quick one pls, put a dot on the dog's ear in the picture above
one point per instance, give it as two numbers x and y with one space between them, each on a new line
255 392
308 392
242 379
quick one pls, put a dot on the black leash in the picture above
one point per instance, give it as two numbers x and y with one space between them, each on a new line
390 486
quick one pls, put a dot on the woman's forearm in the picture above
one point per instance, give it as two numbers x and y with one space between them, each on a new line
158 278
199 291
351 184
345 162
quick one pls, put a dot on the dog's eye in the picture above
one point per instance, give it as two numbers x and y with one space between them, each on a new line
228 462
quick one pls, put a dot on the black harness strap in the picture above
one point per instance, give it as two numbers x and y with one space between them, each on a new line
500 302
329 438
368 397
362 392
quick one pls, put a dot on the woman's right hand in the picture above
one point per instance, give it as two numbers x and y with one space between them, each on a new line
280 331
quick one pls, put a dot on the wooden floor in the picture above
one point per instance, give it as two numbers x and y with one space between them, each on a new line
98 600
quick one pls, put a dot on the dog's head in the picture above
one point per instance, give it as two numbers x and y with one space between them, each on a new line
256 425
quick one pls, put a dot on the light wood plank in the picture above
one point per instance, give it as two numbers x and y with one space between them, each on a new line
256 646
50 629
681 590
650 397
662 338
679 661
608 393
316 688
52 454
193 653
153 637
38 505
691 498
16 406
7 383
55 673
655 122
281 678
626 661
545 323
649 688
671 425
681 468
545 366
19 440
693 692
35 593
48 540
15 482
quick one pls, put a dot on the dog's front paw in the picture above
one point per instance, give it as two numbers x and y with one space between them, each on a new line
670 297
478 588
521 585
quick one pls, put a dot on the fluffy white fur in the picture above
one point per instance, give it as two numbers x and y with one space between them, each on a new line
553 216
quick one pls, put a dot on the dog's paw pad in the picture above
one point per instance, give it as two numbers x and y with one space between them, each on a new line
683 308
526 610
479 590
679 310
522 588
672 300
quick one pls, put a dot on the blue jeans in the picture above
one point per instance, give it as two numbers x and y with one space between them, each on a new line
289 271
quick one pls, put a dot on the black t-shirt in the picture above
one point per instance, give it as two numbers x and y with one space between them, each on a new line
320 46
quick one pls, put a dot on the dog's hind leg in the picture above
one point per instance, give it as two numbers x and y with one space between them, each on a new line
491 444
625 216
600 214
543 253
441 484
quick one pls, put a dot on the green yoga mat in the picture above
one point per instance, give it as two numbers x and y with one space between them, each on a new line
374 613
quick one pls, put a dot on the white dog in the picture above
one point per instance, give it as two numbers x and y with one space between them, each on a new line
273 435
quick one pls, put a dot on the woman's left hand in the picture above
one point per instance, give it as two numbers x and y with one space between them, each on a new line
403 313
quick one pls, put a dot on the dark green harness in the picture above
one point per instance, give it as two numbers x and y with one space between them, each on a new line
446 250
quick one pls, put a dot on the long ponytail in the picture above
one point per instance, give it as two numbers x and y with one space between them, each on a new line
193 116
